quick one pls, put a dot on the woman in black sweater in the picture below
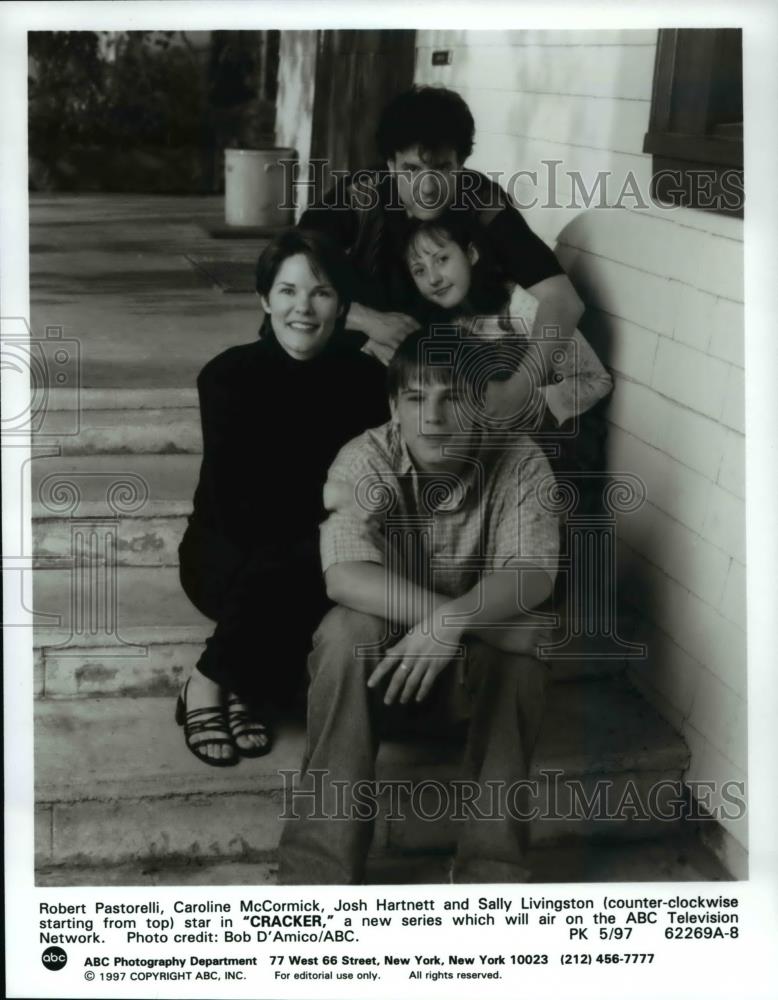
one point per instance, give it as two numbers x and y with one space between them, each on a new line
274 415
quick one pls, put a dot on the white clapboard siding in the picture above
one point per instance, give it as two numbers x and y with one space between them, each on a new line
554 69
709 764
681 553
557 174
725 522
734 413
656 245
597 122
668 668
703 632
732 473
716 703
691 377
726 332
649 300
442 39
560 121
623 346
672 487
733 603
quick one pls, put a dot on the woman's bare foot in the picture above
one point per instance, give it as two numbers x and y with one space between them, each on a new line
251 736
201 692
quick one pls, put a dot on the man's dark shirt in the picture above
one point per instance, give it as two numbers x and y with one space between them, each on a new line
363 214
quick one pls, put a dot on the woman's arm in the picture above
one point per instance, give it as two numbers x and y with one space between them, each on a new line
558 305
573 378
583 380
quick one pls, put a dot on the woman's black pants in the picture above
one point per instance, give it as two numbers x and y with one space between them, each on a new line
266 609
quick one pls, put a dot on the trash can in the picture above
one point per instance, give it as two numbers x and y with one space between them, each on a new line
257 185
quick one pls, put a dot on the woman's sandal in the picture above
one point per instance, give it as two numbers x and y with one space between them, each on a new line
205 720
241 724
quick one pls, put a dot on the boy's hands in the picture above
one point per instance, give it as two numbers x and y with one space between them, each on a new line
417 660
424 653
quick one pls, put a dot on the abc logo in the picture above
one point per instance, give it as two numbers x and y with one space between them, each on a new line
54 958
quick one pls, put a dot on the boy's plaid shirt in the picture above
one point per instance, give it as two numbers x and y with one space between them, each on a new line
444 531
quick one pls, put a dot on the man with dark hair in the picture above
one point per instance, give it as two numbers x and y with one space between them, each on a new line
432 616
440 115
424 137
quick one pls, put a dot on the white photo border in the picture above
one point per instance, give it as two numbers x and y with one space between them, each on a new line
755 976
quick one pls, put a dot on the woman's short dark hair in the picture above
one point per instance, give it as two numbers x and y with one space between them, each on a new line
326 258
432 118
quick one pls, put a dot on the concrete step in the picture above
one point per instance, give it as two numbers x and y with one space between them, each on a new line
140 541
672 859
151 639
148 497
152 636
142 314
121 399
139 794
170 430
84 485
132 603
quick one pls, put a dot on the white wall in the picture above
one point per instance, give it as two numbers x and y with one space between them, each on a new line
664 294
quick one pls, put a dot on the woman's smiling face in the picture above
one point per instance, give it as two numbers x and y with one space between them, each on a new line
303 307
440 267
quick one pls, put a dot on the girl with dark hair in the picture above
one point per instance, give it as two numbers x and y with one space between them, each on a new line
274 415
457 278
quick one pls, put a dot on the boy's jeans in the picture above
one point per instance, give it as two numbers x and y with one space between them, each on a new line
505 693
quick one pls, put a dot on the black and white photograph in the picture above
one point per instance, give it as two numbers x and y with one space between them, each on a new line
379 513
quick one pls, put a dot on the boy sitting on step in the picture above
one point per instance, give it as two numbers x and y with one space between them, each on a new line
433 615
